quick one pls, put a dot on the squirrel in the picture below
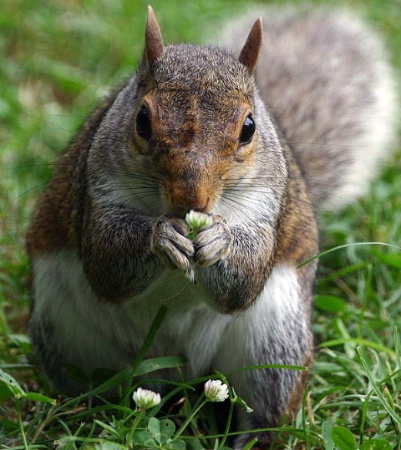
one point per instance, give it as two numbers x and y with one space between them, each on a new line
260 138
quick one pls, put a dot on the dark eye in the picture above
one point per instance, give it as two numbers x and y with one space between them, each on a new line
248 130
143 125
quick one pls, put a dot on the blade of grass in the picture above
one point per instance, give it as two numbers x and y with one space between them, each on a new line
378 392
340 247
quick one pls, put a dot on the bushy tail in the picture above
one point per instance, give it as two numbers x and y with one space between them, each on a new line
325 79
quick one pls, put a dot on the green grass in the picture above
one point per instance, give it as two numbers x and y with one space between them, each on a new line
58 60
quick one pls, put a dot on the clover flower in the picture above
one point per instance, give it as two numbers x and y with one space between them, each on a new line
145 399
216 391
197 220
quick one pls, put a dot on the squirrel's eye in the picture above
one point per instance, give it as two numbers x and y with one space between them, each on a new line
248 130
143 125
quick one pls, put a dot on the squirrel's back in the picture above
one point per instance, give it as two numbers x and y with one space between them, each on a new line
324 77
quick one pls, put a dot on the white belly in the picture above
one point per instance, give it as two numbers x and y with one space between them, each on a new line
92 334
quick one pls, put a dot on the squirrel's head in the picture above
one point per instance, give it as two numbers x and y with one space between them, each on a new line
195 123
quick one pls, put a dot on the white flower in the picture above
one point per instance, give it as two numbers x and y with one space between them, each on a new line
197 220
216 391
145 399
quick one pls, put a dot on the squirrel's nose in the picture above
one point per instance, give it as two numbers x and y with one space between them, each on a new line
181 200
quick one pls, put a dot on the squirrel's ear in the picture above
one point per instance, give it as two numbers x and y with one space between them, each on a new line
153 38
250 51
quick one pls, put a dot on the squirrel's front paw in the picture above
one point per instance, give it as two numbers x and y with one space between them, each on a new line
212 243
171 245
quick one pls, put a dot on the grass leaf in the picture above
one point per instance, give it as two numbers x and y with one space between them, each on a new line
326 432
376 444
330 303
343 438
12 384
377 389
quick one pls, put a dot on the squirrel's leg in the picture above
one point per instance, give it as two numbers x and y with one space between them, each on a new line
234 281
116 252
275 330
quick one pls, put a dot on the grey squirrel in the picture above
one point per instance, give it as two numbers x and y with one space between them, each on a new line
259 138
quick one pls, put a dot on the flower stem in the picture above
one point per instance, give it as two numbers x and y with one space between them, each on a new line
21 426
228 424
189 419
137 421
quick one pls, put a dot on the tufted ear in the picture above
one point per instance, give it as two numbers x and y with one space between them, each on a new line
250 51
153 38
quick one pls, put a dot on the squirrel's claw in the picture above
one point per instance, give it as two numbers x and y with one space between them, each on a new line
212 243
170 244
